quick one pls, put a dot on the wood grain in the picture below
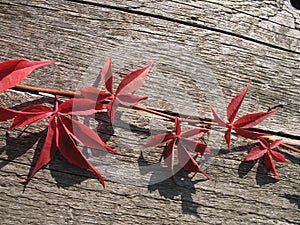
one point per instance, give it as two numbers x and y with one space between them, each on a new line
70 195
204 53
81 38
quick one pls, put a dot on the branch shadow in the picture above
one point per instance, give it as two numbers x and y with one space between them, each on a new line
243 148
183 186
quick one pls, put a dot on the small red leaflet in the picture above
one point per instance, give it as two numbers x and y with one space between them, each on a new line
240 125
185 146
123 94
63 132
12 72
266 151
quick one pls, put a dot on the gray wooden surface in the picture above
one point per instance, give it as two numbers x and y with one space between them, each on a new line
204 52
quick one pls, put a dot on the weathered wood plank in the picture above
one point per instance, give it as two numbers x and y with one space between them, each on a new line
272 23
188 60
226 198
204 52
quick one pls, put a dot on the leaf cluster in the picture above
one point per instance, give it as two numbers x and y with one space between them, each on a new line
65 132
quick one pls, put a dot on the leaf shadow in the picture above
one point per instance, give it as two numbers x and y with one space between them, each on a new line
57 166
104 129
245 168
262 174
24 143
184 186
66 174
294 199
41 100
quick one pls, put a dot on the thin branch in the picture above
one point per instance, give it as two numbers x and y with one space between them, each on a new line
290 147
45 90
167 116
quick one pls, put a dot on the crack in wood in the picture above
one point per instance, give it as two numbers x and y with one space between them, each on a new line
188 23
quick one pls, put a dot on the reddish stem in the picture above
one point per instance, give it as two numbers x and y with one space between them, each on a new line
290 147
203 122
170 117
45 90
72 94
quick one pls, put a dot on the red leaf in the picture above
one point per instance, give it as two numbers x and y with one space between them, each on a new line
248 134
253 119
107 75
70 151
218 119
269 155
168 155
48 151
34 113
159 140
13 72
276 143
7 114
270 164
187 161
194 133
123 95
278 157
130 99
84 134
227 137
133 81
195 146
264 143
94 94
112 109
177 126
183 144
62 133
235 104
80 106
255 153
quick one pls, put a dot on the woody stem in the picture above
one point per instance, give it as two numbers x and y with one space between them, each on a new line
73 94
167 116
20 87
203 122
290 147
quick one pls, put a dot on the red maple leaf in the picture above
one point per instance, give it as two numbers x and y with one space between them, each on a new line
185 146
63 131
13 72
240 125
266 150
123 94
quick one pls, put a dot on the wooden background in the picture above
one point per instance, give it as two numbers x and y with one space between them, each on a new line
204 52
